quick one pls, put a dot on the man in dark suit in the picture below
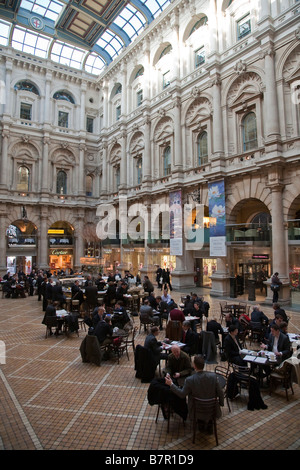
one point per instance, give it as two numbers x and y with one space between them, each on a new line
77 293
189 338
257 316
57 294
279 343
147 314
154 346
91 295
202 384
232 347
104 331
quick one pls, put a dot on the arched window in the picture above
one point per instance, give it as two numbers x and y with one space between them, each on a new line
201 22
118 90
23 179
26 86
202 149
63 95
61 182
89 185
249 132
166 51
139 167
167 160
139 73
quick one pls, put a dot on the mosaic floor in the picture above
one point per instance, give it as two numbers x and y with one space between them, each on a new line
51 400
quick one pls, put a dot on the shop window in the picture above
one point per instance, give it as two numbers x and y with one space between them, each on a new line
63 119
167 161
23 179
89 185
90 124
61 182
249 132
202 148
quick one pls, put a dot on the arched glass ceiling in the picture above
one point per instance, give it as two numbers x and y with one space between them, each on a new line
54 40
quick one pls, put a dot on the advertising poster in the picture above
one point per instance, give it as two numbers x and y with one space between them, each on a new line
217 222
175 205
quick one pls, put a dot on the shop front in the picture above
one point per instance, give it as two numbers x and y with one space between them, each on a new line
21 246
61 259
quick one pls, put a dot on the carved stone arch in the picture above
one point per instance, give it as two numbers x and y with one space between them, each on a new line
243 88
193 21
163 129
136 144
14 213
199 109
161 48
245 190
25 150
115 153
63 214
290 67
132 76
62 157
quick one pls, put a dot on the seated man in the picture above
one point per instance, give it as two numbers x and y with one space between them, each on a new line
104 331
77 293
178 366
147 314
232 347
201 384
189 338
176 314
279 344
257 316
216 328
280 311
154 346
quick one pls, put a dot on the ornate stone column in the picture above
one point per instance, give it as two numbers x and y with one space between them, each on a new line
45 167
4 160
272 127
47 98
177 136
147 153
79 241
81 173
279 238
3 227
123 164
43 261
218 139
82 106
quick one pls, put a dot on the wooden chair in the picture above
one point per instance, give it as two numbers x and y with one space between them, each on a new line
174 330
167 412
283 376
207 407
256 332
130 342
51 322
223 373
146 323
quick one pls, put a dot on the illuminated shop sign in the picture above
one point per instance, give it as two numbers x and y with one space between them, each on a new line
260 256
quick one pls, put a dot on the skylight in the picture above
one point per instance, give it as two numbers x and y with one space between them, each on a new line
30 42
111 43
94 64
47 8
156 6
4 32
131 21
67 55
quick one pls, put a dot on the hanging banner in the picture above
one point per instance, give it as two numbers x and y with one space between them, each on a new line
175 206
217 221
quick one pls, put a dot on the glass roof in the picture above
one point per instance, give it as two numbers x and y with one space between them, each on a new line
55 41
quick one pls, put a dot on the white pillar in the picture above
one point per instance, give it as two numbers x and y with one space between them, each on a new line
147 151
45 163
4 160
271 106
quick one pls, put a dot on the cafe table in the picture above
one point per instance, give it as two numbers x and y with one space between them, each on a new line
168 346
259 359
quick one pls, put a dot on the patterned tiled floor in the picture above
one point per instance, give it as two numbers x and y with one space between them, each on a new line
51 400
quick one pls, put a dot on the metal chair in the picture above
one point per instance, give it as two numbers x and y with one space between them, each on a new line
208 408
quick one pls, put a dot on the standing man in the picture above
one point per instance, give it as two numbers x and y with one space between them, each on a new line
275 286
